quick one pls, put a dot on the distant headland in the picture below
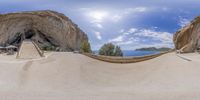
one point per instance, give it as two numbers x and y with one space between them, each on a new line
153 49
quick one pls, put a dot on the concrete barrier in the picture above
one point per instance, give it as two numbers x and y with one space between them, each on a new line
112 59
41 52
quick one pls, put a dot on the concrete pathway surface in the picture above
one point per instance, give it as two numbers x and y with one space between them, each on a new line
69 76
28 50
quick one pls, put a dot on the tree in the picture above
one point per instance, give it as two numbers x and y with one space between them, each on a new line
107 49
85 47
110 49
118 51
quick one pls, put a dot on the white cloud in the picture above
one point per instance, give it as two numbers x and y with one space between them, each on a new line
122 39
99 25
117 39
99 16
95 17
132 30
164 37
141 9
135 10
126 33
137 38
116 18
165 8
83 9
183 21
98 35
121 13
155 27
125 42
121 31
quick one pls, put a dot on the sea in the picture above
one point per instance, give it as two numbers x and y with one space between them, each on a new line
128 53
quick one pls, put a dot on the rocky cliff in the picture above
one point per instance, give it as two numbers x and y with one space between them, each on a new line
49 29
188 38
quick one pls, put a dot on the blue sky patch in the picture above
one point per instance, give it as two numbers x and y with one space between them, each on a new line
129 23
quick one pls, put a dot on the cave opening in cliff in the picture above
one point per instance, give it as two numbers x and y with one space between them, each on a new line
39 38
29 34
46 42
19 37
16 40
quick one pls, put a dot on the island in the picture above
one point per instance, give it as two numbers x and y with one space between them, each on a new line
153 49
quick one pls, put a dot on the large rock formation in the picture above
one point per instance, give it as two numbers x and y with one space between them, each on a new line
188 38
49 29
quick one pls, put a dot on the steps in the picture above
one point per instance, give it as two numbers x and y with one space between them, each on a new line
29 50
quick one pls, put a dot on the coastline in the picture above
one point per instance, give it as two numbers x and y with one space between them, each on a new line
130 59
129 53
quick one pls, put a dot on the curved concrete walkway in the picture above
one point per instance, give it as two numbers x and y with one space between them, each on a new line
69 76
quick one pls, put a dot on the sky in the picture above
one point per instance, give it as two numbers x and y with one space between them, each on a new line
131 24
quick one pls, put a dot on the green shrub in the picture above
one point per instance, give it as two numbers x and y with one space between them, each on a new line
49 48
85 47
110 49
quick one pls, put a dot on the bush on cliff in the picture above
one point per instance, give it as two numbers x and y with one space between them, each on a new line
110 49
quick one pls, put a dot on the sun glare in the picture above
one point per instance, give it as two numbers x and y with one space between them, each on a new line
98 16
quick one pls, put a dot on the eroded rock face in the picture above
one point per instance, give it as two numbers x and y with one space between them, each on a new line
49 29
188 38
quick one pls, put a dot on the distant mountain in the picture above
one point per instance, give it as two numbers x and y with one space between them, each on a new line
153 49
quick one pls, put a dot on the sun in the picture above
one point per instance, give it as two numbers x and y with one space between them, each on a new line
98 16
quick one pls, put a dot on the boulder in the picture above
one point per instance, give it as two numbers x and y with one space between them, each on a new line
187 39
49 29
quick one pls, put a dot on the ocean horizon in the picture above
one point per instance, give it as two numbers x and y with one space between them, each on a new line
128 53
